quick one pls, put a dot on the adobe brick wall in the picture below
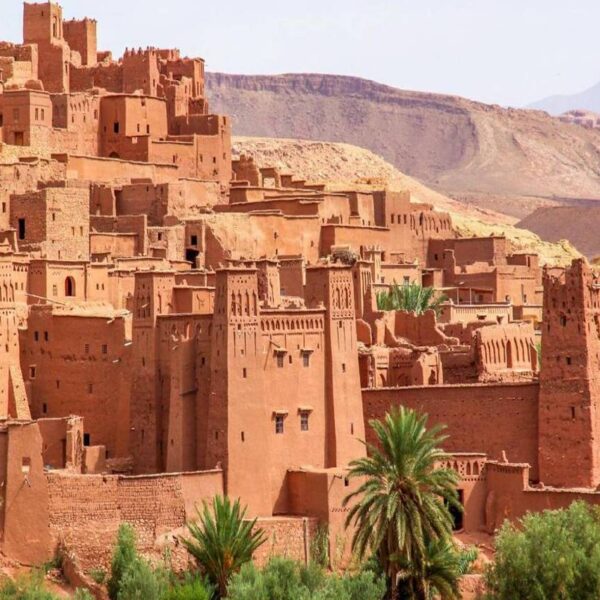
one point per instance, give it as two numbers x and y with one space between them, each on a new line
86 510
486 418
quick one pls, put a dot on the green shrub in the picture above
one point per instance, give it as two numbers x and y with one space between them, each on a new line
98 575
191 588
550 555
26 587
141 582
82 594
284 579
124 555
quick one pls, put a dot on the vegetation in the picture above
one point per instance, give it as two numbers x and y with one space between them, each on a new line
27 587
283 579
98 575
141 582
549 555
124 556
221 540
400 510
319 546
190 588
410 297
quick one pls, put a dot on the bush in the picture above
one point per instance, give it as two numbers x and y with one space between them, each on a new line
191 588
27 587
124 556
98 575
82 594
141 582
549 555
283 579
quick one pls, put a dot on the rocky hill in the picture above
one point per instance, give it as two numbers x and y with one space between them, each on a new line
587 100
579 224
507 159
343 167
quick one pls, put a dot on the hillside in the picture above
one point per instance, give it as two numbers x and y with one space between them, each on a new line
512 160
587 100
343 166
579 224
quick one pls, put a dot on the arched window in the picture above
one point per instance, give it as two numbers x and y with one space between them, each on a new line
69 286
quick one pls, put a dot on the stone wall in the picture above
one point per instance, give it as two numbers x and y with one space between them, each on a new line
486 418
86 510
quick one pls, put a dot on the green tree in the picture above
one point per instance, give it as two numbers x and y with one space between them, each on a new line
437 576
553 555
141 582
124 555
221 540
410 297
401 503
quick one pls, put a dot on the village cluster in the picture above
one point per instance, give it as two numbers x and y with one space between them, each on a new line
177 322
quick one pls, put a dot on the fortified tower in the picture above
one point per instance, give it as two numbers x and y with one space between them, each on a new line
569 411
332 286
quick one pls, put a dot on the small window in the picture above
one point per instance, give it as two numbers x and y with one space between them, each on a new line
36 335
87 348
4 207
304 420
46 337
32 372
351 428
563 320
87 440
55 290
21 229
280 360
104 349
54 216
568 360
58 384
160 236
343 367
116 127
572 412
278 423
244 373
44 408
194 240
243 437
148 129
37 115
43 114
306 359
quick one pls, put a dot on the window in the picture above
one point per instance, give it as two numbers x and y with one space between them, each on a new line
86 439
4 203
116 127
243 437
36 335
278 423
87 348
563 320
572 412
46 336
104 349
44 408
37 114
69 286
32 372
43 114
304 420
21 229
54 216
343 367
280 360
568 359
58 384
351 428
244 373
194 240
148 129
306 359
55 290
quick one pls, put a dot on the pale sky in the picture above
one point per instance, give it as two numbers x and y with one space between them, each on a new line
509 52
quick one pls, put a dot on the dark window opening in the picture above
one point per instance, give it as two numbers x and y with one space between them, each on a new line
280 360
116 127
279 424
87 439
306 359
191 255
194 240
244 373
21 229
69 286
44 408
304 421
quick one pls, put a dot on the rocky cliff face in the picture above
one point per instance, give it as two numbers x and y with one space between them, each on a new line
508 159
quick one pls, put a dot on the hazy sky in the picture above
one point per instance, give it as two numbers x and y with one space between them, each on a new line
510 52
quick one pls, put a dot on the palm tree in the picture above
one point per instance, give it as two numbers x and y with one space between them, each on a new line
439 574
410 297
402 502
222 540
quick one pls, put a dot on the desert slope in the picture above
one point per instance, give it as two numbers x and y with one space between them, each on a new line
473 151
343 166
